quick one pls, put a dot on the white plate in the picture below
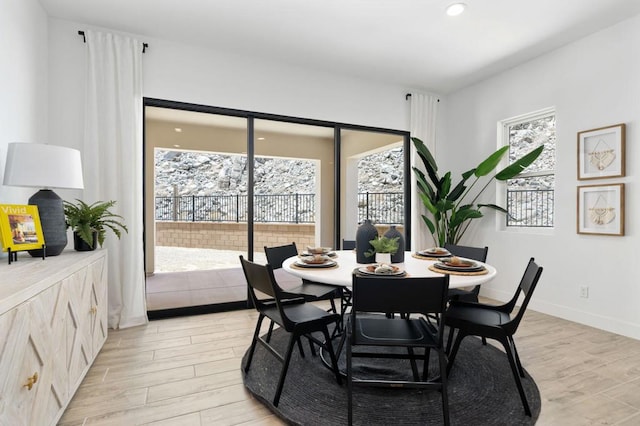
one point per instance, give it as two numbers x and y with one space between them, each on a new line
330 254
427 253
397 273
474 267
327 264
325 250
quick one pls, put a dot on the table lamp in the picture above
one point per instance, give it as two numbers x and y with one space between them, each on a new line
45 166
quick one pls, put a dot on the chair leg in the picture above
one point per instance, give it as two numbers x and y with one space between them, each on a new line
333 306
516 375
332 355
414 366
442 360
254 342
454 351
349 385
338 350
300 347
270 332
517 357
285 367
450 340
345 302
425 368
312 347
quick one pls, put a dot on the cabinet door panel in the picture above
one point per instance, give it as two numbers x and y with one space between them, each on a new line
78 327
31 394
97 277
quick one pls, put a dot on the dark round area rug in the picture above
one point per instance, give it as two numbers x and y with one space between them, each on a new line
481 390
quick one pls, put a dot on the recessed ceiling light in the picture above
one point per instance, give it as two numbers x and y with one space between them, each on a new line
178 129
456 9
260 139
176 146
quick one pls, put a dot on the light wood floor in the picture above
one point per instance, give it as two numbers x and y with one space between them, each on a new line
186 371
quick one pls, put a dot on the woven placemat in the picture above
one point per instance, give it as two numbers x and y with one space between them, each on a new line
294 266
446 271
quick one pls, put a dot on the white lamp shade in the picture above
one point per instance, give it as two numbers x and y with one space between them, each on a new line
43 166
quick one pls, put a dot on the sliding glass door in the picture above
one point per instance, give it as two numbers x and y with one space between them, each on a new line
223 183
293 185
373 181
196 208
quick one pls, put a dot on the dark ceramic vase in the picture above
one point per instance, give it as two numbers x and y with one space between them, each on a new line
365 233
54 227
81 245
398 257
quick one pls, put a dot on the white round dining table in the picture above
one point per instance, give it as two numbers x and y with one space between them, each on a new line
341 275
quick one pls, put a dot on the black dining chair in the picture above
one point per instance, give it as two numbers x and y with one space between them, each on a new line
372 334
348 244
295 316
474 253
494 322
311 291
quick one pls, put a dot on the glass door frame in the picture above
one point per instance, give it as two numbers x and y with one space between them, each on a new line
251 117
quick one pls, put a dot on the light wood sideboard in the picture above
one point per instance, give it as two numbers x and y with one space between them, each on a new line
53 323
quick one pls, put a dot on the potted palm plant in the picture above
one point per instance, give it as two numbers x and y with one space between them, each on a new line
450 211
90 222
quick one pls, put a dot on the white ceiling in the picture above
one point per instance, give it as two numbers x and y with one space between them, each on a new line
412 43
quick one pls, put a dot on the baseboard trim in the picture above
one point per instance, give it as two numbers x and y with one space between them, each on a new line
601 322
196 310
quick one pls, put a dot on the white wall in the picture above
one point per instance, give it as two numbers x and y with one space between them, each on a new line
184 73
592 83
23 82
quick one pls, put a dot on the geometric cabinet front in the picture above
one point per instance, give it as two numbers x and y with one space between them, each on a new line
86 328
48 343
27 355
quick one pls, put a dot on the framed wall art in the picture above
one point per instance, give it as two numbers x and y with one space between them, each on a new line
601 152
601 209
20 227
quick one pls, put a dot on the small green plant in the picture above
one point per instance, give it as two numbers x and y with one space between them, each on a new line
382 244
85 219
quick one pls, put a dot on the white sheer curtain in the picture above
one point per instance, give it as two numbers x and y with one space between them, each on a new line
424 116
113 163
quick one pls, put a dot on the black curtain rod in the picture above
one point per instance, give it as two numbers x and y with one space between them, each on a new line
408 95
84 39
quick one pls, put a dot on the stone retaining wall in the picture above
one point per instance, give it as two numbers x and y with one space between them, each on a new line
231 235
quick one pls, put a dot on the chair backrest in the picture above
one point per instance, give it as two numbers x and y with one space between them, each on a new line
260 278
475 253
418 295
348 244
277 255
527 285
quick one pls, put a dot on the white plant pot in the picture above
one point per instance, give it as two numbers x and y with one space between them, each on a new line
383 258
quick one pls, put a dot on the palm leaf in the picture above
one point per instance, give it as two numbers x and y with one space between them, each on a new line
491 162
519 165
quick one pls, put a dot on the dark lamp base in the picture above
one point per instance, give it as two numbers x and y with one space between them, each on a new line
54 227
